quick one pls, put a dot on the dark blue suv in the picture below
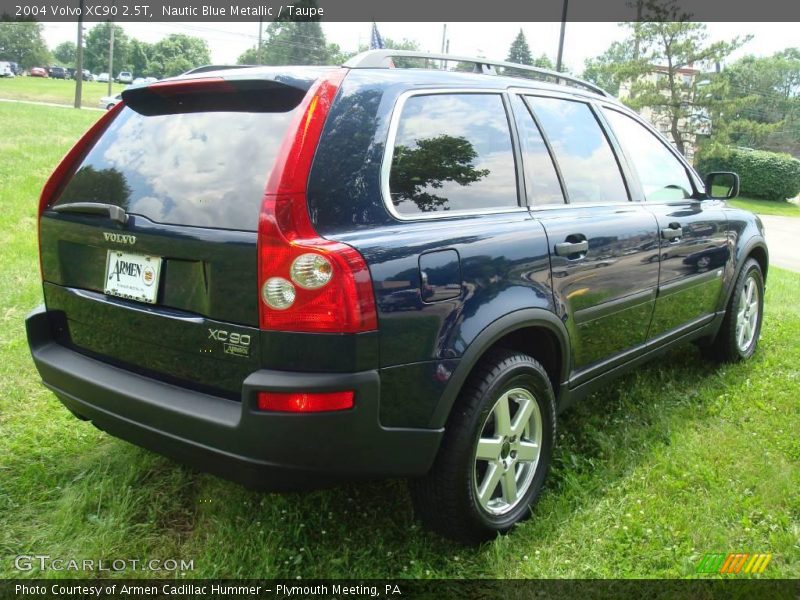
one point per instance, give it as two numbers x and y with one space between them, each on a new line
294 276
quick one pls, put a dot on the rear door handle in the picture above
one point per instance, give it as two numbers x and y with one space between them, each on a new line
671 233
569 248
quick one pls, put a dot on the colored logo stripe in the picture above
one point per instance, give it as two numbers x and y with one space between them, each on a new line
735 562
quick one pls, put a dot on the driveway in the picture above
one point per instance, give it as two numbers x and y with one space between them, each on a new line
783 235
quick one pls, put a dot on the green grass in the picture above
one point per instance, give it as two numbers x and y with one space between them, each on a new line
679 458
57 91
780 208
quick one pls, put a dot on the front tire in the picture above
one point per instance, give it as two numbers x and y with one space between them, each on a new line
495 454
738 335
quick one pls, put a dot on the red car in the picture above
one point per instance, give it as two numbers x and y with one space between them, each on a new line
38 72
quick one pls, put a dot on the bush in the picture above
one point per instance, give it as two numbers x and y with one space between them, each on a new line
767 175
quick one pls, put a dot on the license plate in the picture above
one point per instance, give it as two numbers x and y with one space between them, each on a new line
132 276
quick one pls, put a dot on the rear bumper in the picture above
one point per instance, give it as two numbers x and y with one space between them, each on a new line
231 439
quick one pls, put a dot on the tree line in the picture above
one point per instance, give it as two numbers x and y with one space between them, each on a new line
23 42
752 102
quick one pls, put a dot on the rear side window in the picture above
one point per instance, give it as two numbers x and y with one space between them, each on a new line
203 169
588 166
541 179
452 152
662 176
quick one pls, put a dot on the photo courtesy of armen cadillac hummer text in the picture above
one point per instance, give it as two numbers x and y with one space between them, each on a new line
296 276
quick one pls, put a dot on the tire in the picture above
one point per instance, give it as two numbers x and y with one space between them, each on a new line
448 500
738 335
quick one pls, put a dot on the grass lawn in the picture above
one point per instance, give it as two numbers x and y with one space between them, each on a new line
680 458
780 208
58 91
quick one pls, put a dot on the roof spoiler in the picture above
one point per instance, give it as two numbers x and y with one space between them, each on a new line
215 94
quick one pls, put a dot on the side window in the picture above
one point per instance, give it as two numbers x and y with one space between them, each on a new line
540 174
588 166
662 175
452 152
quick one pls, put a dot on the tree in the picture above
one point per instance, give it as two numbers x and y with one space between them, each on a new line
249 57
404 44
668 44
290 43
544 62
176 54
22 42
767 92
140 53
295 43
519 52
617 64
95 53
65 53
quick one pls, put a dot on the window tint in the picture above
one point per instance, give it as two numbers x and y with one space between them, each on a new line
452 152
541 179
588 166
205 169
662 175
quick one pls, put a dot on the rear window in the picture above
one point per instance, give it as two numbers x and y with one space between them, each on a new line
202 169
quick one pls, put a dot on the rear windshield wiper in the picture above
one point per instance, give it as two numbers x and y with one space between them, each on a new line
112 211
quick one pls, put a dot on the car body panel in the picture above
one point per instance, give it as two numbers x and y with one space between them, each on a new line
447 288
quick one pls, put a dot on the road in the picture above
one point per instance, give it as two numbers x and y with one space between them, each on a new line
783 235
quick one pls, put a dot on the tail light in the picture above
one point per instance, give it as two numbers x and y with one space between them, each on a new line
307 283
72 159
304 402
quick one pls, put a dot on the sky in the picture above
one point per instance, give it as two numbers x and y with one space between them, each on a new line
583 40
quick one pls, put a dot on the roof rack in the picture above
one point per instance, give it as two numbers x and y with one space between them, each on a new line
382 59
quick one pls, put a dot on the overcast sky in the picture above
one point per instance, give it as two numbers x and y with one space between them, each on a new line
583 40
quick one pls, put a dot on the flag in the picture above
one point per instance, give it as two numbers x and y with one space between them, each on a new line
375 40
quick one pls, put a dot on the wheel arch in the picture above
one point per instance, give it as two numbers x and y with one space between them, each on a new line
755 248
534 331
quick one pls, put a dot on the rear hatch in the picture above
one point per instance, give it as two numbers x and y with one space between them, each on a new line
149 248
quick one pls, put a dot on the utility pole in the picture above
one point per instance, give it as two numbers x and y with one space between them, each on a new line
110 57
561 37
260 33
444 42
636 40
79 59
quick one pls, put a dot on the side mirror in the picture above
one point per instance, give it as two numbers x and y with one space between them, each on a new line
722 185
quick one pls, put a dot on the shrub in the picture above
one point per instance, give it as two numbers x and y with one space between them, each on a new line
767 175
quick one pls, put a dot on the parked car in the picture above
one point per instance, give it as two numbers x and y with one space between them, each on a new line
58 73
102 78
150 79
406 289
38 72
125 77
6 70
108 102
138 81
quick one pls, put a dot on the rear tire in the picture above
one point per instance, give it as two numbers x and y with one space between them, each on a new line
738 335
496 451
